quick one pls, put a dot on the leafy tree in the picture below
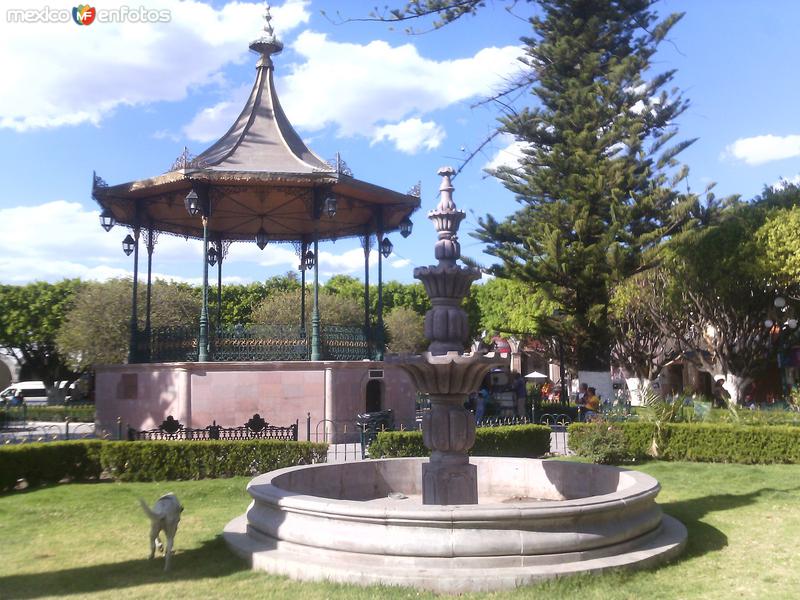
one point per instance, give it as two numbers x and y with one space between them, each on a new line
283 308
97 328
778 243
597 182
348 286
238 301
31 317
717 277
511 307
644 321
406 330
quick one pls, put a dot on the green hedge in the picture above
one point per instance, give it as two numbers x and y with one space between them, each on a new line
77 413
51 462
702 442
149 461
512 440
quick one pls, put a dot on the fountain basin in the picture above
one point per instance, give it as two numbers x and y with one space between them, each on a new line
364 522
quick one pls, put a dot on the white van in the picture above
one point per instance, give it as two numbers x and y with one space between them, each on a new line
34 392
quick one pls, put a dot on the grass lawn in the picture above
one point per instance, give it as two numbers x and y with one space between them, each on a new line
90 540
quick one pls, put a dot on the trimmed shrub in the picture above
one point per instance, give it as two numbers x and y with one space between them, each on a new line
603 443
523 441
702 442
511 440
164 460
51 462
48 463
398 444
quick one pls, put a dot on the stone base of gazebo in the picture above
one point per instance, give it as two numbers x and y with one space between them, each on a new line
141 396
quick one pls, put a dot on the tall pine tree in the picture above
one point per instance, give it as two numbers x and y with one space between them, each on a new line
597 182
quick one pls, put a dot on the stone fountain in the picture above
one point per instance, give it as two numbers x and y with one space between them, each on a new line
443 372
452 523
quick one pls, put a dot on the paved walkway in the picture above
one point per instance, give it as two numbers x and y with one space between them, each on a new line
39 431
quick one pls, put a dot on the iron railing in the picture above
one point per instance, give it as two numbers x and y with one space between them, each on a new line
255 429
257 343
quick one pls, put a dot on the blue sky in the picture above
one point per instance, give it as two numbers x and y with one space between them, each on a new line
125 99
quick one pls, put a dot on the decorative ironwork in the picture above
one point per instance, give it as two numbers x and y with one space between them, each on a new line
340 166
261 343
345 343
98 181
173 344
255 429
150 238
223 248
186 160
416 190
366 242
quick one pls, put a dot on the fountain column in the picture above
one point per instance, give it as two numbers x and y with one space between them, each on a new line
444 372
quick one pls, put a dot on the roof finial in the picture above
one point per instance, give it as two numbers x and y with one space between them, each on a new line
268 43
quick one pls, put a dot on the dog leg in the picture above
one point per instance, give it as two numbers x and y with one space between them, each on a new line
154 541
168 553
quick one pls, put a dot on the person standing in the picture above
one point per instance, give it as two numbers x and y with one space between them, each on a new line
583 390
592 404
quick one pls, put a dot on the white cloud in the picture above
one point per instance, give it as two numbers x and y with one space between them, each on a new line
763 148
210 123
61 239
783 182
509 155
411 135
61 74
381 91
401 263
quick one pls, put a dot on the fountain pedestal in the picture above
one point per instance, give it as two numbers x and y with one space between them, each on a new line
449 431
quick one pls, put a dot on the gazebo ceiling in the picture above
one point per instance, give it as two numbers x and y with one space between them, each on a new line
258 175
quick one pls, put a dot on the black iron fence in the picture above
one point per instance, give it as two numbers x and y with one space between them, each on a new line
255 429
256 343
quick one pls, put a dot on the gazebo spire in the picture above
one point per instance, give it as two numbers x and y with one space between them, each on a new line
268 43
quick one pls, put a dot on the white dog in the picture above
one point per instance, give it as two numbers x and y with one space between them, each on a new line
165 515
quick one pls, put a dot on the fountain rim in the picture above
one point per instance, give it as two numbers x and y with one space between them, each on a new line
644 488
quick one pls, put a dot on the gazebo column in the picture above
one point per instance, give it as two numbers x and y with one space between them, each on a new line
380 341
316 342
134 326
303 252
202 353
365 242
220 257
151 243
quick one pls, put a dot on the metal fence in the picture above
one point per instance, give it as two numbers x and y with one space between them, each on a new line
255 429
257 343
47 432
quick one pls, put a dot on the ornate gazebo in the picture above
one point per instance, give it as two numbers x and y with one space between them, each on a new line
259 183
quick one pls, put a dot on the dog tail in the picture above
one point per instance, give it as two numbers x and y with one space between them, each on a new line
147 510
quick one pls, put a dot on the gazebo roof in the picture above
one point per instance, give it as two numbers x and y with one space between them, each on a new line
259 175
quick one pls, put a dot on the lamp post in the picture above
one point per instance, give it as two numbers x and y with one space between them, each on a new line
130 245
385 248
195 205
